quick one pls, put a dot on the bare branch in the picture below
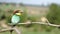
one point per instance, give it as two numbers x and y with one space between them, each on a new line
47 24
4 30
17 31
42 23
9 29
14 29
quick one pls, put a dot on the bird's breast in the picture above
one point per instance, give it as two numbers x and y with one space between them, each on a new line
15 19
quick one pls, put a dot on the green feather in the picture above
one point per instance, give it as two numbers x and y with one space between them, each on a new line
15 19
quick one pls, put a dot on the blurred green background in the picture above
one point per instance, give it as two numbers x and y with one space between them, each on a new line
53 16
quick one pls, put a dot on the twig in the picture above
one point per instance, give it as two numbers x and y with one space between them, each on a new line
4 30
14 29
47 24
42 23
17 31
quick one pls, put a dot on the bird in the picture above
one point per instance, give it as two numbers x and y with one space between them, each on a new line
15 18
44 20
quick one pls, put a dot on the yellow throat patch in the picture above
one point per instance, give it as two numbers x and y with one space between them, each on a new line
18 14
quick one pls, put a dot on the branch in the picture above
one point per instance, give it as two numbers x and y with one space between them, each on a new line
39 23
17 31
14 29
47 24
42 23
4 30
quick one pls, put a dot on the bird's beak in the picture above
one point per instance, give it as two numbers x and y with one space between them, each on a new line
18 14
21 12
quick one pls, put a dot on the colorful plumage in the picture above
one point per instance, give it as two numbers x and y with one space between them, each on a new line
15 18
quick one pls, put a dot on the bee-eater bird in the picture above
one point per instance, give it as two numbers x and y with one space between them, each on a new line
16 17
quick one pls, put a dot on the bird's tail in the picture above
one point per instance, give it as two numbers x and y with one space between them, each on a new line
12 27
11 31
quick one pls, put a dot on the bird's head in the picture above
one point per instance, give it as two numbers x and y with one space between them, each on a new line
18 12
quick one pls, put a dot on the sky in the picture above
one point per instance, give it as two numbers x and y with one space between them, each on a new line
37 2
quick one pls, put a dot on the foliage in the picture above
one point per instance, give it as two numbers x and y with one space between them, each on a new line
54 14
24 15
2 14
33 18
8 19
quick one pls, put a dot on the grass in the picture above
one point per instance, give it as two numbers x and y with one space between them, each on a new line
27 31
